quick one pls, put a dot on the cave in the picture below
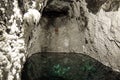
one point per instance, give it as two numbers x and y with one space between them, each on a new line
72 22
67 40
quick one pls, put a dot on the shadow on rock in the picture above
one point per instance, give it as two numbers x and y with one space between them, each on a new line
66 66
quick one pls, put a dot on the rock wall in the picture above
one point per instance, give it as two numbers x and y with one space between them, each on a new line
61 28
12 50
102 34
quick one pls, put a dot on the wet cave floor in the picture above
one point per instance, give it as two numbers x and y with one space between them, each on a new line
66 66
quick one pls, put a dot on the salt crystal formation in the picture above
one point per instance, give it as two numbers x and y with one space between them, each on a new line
12 35
12 46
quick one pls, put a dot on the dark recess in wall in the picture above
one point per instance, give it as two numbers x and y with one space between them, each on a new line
94 5
66 66
54 14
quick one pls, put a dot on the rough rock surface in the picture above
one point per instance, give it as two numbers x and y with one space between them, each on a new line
80 26
76 26
12 50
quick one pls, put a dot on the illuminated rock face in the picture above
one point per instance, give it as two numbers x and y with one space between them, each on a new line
12 46
61 28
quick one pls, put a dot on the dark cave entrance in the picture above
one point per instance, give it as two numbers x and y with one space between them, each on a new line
66 66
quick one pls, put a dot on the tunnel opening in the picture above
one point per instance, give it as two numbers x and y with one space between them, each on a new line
66 66
53 13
